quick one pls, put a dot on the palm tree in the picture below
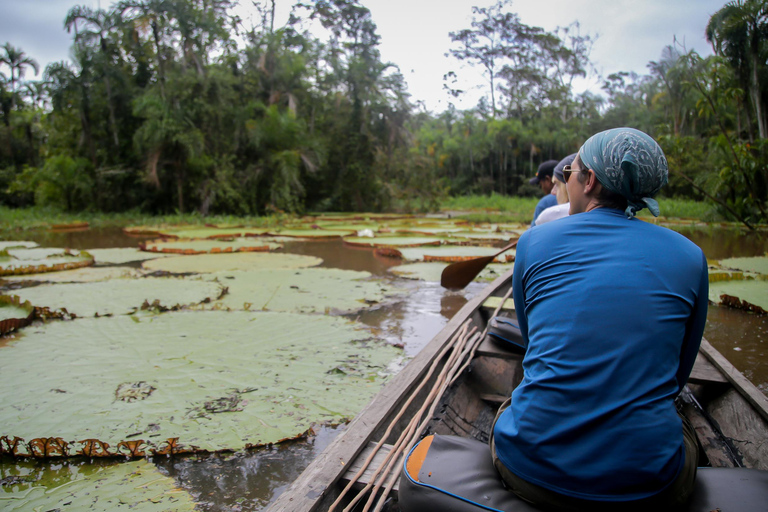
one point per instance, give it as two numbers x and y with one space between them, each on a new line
18 61
739 32
97 26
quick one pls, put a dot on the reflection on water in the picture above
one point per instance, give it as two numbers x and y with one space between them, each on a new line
250 481
246 480
741 337
720 243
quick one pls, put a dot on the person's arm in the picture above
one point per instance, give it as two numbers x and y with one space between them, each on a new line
694 329
518 292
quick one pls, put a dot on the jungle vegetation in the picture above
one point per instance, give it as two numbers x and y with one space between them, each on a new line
173 106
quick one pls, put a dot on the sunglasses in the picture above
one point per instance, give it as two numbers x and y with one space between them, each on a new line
567 171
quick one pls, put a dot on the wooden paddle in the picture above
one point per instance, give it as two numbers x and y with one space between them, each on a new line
458 275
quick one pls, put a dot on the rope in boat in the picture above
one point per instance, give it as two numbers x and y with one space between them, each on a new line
462 346
451 376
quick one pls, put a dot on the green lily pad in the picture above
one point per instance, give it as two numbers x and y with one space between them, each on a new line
432 271
121 296
312 233
234 261
391 241
121 255
81 275
39 253
453 253
208 232
215 380
202 246
310 290
757 264
14 314
42 259
136 485
4 245
750 291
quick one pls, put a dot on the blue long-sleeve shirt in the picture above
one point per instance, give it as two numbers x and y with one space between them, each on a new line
544 203
612 310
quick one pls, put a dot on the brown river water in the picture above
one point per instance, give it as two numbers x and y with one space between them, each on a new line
249 481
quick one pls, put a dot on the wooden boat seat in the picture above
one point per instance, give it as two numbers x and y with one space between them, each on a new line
456 474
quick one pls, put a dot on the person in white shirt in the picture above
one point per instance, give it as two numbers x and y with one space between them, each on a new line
560 210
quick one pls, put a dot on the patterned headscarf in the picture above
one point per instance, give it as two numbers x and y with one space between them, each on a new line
628 162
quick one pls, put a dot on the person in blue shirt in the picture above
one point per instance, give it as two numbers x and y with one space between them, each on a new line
543 179
593 425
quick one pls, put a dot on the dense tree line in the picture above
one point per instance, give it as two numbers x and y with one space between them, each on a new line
173 105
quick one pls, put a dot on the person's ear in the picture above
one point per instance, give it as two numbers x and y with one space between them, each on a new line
591 185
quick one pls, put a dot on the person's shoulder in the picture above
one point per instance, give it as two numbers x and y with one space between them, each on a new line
548 200
670 239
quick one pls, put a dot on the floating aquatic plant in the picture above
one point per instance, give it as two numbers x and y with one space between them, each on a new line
42 259
203 246
452 253
136 486
309 290
220 380
122 255
233 261
121 296
14 314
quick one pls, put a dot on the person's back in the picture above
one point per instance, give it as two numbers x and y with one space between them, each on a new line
612 310
596 399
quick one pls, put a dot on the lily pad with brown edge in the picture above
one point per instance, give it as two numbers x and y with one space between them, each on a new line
312 233
746 294
121 296
205 263
432 271
122 255
209 232
453 253
42 259
391 241
757 264
14 314
11 244
205 246
136 485
80 275
308 290
222 380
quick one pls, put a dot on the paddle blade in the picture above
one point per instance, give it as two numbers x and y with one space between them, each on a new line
458 275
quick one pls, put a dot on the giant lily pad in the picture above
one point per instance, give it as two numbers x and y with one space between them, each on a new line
215 380
211 232
432 271
42 259
311 290
14 314
757 264
121 255
747 294
233 261
10 244
81 275
136 485
391 241
311 233
121 296
453 253
198 246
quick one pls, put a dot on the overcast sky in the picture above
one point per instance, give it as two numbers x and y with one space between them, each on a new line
414 33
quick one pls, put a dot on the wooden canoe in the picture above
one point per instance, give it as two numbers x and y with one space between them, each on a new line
729 413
